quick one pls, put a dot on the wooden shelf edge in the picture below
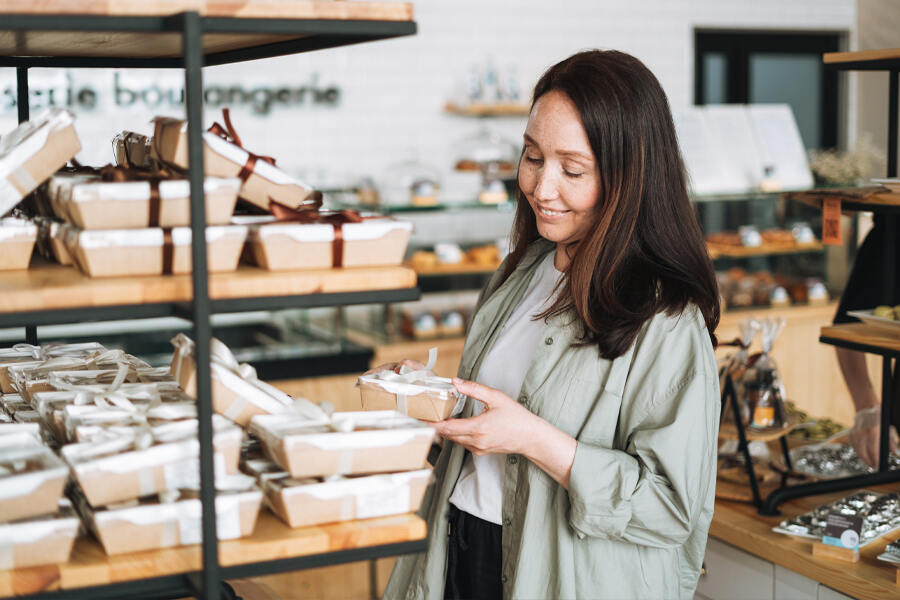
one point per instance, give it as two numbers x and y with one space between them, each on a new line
728 431
862 335
303 9
502 109
272 540
860 56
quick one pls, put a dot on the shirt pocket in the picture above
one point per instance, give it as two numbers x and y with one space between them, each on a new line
583 409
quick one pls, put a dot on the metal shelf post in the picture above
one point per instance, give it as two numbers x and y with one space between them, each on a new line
193 84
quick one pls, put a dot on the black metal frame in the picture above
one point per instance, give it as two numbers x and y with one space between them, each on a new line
729 394
312 34
738 45
889 374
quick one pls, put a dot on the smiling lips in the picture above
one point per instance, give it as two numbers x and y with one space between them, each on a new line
550 215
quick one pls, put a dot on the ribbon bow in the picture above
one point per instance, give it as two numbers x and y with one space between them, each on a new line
229 134
408 376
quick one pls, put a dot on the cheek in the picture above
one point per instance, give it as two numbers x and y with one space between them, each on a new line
526 178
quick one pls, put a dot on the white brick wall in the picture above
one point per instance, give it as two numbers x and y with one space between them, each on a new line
393 91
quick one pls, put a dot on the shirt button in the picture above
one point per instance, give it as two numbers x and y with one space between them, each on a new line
512 459
507 522
549 341
523 398
503 578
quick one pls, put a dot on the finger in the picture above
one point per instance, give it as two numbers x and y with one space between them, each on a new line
457 427
379 368
487 395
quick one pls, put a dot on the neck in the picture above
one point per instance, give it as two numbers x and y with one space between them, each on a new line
561 260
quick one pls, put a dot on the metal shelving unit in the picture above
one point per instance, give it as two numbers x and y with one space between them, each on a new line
189 41
866 61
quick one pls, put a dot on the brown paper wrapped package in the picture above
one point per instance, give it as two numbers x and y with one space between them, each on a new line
294 246
299 509
17 238
117 252
38 490
223 248
170 142
299 456
40 541
121 536
61 144
425 406
110 205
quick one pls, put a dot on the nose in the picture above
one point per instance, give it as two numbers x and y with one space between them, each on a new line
546 188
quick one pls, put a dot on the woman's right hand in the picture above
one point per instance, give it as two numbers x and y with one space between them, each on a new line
395 366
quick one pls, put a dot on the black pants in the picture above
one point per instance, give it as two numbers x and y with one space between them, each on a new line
473 558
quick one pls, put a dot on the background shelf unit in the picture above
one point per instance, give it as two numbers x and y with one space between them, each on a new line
66 33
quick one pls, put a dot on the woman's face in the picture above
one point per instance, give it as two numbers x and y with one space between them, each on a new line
557 172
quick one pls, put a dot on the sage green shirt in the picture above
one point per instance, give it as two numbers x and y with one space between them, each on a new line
633 523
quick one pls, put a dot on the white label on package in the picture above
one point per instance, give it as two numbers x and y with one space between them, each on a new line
169 535
146 481
392 500
9 195
189 522
374 229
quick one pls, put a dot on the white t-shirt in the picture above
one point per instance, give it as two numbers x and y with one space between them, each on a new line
479 489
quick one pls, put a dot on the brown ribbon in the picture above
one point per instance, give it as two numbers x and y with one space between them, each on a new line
115 174
229 134
314 214
168 252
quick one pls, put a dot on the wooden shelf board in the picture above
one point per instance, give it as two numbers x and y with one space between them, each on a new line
500 109
725 251
285 24
860 333
740 525
861 56
867 198
257 9
463 268
728 431
48 286
271 540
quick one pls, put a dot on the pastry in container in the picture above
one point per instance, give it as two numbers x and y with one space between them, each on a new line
350 443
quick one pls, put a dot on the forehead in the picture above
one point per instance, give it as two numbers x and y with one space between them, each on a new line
554 124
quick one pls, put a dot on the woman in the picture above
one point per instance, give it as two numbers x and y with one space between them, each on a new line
587 467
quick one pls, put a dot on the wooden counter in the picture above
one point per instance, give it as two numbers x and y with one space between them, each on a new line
741 526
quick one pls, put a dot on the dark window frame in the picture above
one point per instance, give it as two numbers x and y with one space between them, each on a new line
738 45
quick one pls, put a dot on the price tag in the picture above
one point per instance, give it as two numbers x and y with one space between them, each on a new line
843 531
831 221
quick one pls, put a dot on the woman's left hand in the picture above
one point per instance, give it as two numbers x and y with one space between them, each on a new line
503 427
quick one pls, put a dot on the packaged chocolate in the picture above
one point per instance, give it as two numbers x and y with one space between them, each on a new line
350 443
132 462
17 239
278 246
312 501
237 394
26 353
32 477
880 514
43 540
169 520
223 156
32 152
418 393
223 248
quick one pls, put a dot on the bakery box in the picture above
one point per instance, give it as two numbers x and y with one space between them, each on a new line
223 248
17 238
39 541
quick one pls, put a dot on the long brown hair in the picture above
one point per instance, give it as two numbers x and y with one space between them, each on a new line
644 253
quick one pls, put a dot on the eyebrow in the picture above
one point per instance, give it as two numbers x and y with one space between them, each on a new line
574 153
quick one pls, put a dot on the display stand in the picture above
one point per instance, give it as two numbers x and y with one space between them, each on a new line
66 33
848 336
